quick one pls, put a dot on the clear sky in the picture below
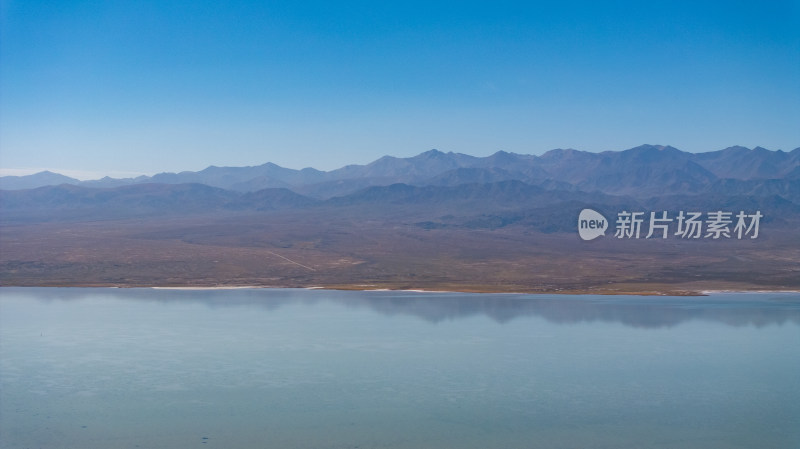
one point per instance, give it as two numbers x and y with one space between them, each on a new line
113 87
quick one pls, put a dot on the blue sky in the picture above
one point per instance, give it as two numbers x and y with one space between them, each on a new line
115 87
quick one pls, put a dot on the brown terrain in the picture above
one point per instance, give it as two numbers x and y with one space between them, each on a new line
311 248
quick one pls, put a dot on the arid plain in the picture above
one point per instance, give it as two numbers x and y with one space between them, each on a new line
308 249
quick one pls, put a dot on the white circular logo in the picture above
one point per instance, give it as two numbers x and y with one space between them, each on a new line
591 224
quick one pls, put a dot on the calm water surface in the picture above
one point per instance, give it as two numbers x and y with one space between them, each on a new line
139 368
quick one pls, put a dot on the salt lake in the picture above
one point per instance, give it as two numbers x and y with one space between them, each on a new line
292 368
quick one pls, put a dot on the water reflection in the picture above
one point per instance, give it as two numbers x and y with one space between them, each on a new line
733 309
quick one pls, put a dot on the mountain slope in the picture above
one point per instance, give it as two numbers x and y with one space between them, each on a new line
745 164
69 202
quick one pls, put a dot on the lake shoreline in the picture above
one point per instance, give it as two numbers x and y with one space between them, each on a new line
620 290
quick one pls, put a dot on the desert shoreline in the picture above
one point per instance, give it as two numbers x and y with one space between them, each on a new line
373 288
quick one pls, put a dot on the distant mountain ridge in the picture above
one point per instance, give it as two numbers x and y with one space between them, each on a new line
41 179
644 171
439 190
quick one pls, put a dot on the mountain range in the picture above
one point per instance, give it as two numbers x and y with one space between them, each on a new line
642 172
491 191
439 190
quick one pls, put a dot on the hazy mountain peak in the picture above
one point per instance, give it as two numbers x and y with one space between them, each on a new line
503 154
736 148
654 148
39 179
503 159
431 153
559 152
378 162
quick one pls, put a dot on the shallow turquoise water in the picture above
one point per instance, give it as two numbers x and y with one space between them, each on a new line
113 368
